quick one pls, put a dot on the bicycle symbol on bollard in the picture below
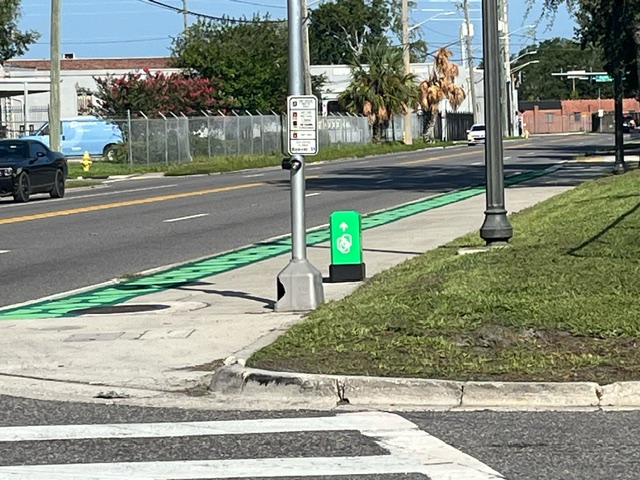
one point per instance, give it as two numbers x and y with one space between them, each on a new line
343 243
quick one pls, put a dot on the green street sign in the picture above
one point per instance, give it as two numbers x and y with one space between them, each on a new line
603 78
346 247
346 233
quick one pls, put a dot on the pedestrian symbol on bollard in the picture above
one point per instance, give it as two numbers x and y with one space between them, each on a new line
346 247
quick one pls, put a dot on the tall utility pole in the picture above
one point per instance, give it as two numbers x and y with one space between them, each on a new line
299 284
406 59
55 129
185 14
505 81
496 228
472 83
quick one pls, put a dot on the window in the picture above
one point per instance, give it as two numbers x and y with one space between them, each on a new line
36 148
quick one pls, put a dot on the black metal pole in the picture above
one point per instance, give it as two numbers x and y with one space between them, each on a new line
496 228
618 95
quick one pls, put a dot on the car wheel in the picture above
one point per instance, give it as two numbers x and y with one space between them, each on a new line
23 188
58 185
109 152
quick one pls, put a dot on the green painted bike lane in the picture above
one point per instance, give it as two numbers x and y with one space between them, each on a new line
116 293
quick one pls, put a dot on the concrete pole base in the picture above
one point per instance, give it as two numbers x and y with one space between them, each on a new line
299 287
619 168
496 228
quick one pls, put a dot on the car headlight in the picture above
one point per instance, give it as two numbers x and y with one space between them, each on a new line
6 172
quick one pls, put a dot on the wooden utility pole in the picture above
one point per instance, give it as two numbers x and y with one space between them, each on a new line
184 15
54 94
406 59
472 82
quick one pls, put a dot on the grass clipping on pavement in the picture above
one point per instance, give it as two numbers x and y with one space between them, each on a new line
562 303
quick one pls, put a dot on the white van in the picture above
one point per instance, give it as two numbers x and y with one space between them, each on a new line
84 134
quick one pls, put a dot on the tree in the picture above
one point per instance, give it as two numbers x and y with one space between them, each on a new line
613 25
380 89
340 29
557 55
439 86
13 42
155 93
249 59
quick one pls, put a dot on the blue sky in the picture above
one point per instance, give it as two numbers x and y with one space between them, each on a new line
138 28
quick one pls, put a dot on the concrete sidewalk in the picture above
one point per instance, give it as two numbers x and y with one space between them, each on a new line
167 357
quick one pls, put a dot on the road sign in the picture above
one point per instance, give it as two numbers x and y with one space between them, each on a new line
346 247
302 112
603 78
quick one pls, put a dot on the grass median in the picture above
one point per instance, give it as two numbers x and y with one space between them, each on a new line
204 164
561 303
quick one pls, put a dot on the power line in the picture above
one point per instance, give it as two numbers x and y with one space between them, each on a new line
208 17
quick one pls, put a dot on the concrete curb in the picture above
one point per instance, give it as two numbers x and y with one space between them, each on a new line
253 384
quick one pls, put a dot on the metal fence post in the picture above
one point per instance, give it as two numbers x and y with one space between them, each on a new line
237 132
261 131
166 139
130 137
146 135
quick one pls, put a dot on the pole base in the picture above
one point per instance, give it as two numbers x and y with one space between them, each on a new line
496 228
619 168
299 287
350 272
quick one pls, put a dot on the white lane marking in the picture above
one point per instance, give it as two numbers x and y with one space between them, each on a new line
315 194
4 251
254 175
198 215
384 181
507 158
477 163
530 153
250 468
412 450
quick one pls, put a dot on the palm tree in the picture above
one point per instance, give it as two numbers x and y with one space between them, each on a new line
380 89
440 85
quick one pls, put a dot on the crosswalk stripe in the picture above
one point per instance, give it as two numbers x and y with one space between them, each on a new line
269 467
411 450
350 421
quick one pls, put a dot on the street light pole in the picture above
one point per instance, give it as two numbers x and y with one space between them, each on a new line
496 228
472 82
299 284
406 59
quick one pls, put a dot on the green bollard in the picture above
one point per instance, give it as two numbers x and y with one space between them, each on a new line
346 247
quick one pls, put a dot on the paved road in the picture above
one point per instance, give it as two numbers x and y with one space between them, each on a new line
60 441
122 228
118 442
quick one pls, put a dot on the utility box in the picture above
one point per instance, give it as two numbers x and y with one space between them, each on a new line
346 247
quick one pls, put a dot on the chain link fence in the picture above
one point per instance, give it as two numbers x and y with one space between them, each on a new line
179 139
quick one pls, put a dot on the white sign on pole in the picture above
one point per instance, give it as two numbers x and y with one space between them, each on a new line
302 111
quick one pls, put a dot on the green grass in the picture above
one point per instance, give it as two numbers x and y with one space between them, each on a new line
561 303
203 165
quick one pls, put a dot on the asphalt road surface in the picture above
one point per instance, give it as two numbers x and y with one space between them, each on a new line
120 442
126 227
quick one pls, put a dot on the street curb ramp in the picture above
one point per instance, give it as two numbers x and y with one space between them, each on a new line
236 381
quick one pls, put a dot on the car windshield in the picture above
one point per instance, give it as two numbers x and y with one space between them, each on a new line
13 150
477 128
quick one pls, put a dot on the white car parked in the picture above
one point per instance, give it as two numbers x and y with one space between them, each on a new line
476 134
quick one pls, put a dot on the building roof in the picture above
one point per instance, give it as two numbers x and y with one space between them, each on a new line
151 63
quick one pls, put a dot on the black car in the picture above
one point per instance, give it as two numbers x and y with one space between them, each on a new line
628 123
29 166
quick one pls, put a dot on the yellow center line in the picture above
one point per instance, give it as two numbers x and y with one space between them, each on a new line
459 154
140 201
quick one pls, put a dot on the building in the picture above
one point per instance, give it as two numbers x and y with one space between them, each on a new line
25 86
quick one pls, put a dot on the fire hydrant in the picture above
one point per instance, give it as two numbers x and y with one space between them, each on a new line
86 161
